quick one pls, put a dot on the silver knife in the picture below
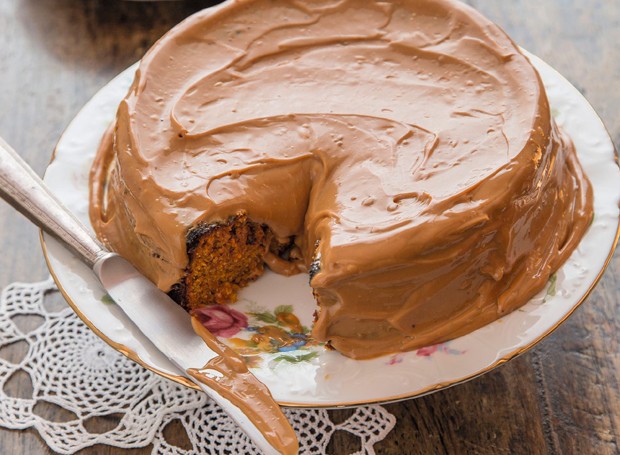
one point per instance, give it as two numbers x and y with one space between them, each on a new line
203 359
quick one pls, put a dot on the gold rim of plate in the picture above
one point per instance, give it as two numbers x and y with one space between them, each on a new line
132 355
424 391
417 393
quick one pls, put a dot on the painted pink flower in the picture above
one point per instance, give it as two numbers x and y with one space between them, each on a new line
221 320
427 351
395 359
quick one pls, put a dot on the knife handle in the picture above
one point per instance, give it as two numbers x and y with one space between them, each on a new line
21 187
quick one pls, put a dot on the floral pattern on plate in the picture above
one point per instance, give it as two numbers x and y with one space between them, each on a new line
261 331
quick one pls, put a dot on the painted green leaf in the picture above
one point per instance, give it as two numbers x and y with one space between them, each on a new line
283 309
265 316
107 300
552 290
297 358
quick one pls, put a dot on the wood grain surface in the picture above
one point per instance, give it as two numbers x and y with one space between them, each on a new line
561 397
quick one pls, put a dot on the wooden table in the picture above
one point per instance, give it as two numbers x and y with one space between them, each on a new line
561 397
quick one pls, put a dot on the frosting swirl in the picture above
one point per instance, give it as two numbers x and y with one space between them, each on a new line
406 145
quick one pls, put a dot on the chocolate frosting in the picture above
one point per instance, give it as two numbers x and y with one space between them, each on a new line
406 145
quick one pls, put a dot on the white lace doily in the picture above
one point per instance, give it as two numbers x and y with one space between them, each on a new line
71 368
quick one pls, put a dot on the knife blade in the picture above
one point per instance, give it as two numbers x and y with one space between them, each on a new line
199 355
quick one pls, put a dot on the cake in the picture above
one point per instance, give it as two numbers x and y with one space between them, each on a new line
401 153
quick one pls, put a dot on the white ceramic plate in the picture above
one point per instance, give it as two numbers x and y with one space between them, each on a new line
307 374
